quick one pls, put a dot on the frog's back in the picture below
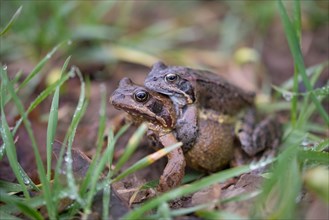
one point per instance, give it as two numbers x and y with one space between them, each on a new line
214 92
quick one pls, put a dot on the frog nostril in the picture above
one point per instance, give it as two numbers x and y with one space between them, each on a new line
154 78
118 96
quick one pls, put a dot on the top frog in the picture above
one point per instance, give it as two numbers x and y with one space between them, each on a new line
193 90
186 86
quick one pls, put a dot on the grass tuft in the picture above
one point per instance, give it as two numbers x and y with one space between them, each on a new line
11 22
294 46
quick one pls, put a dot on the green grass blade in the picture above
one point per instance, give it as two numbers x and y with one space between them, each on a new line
102 118
35 202
61 154
131 146
51 130
146 161
298 58
241 197
8 141
293 110
189 210
52 122
11 154
111 143
307 109
297 23
279 192
4 215
95 168
164 211
40 167
297 19
77 114
315 128
322 145
313 71
22 205
10 187
90 173
11 22
42 96
323 91
45 93
50 89
106 202
101 9
17 77
290 189
186 189
205 214
39 67
317 157
109 152
79 111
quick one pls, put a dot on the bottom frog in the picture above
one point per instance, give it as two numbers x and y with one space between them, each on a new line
213 148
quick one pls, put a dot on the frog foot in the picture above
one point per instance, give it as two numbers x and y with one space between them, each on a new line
255 138
174 171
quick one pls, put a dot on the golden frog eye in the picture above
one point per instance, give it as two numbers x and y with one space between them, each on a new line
141 96
171 77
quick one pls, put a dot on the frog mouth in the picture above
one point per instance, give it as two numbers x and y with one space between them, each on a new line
159 88
171 93
148 116
178 97
163 91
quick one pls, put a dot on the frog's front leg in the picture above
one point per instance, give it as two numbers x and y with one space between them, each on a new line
175 169
187 126
257 137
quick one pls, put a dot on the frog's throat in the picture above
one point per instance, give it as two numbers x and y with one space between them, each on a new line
160 130
207 114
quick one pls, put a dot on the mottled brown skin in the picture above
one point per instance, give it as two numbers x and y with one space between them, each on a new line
212 149
157 110
257 136
212 146
192 90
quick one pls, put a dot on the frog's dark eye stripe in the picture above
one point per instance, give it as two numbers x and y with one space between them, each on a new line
141 96
171 77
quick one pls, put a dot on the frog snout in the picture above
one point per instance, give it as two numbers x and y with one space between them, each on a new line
116 98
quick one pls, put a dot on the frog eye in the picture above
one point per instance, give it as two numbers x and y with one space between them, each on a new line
171 77
141 96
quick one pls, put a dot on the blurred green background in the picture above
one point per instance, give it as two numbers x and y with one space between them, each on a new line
194 33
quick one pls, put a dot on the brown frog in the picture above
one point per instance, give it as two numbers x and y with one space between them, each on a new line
159 114
191 90
212 149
